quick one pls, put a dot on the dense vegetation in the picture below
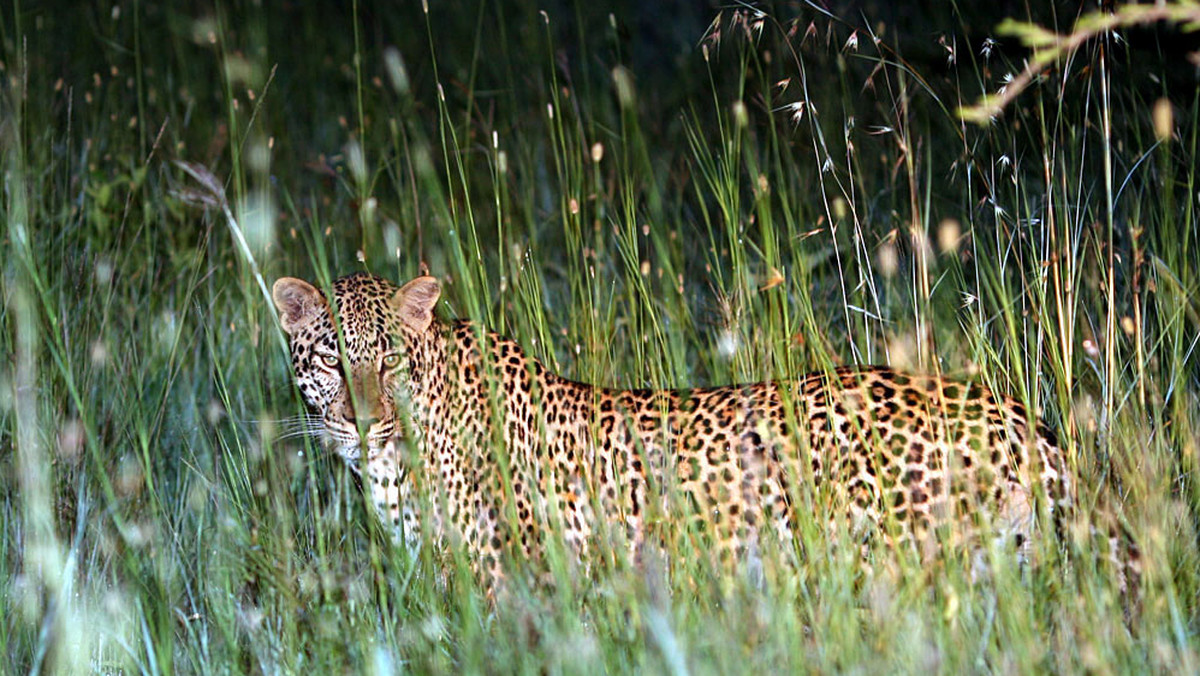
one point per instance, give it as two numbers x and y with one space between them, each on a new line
642 198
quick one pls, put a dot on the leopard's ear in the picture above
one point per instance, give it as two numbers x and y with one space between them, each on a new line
415 302
298 302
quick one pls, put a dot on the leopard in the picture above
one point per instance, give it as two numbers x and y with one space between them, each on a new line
461 439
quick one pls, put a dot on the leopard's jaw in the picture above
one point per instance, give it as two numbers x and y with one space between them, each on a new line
580 460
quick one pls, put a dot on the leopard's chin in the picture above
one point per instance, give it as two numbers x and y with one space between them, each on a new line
384 447
345 446
350 453
354 452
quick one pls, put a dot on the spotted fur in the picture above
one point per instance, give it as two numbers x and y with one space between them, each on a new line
503 452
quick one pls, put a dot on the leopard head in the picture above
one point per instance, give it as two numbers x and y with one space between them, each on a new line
352 383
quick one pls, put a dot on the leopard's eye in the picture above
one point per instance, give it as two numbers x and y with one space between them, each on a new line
391 361
330 360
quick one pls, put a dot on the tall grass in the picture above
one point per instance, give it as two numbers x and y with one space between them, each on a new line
794 192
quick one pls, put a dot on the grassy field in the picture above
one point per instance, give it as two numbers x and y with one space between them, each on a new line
643 198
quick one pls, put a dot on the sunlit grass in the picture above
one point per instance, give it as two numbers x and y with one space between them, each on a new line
815 202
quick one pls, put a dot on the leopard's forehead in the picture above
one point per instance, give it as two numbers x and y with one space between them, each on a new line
361 304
